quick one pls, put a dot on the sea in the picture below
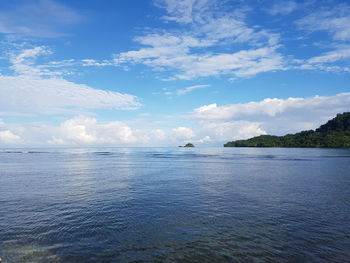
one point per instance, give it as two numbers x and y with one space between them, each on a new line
174 205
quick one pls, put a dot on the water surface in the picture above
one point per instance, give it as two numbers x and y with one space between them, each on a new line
174 205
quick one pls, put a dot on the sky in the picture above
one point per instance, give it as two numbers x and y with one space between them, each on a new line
168 72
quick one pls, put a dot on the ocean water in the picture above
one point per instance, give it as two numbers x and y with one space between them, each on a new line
174 205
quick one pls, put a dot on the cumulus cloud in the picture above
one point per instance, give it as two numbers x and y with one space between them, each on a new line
183 133
88 131
204 139
213 124
273 106
274 116
77 131
9 138
230 130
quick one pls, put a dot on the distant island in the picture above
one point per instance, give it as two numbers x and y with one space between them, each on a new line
334 134
188 145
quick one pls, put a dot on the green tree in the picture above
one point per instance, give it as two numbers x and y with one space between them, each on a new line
334 134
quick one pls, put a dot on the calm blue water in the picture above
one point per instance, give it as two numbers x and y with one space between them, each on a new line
175 205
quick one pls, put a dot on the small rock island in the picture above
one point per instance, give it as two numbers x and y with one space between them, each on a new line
188 145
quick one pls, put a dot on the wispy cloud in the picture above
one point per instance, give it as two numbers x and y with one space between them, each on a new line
96 63
190 53
334 20
340 53
282 8
24 62
184 11
332 61
25 94
191 88
186 90
38 18
35 89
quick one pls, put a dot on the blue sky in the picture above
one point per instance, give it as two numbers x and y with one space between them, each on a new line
166 72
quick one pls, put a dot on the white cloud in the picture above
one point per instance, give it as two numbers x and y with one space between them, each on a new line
186 90
183 11
165 46
25 94
36 89
282 8
191 88
189 54
274 116
24 63
269 107
244 63
82 130
204 139
231 130
8 137
95 63
212 124
87 131
273 106
77 131
229 30
183 133
341 53
38 18
334 20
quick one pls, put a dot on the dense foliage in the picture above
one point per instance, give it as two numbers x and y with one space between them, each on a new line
334 134
189 145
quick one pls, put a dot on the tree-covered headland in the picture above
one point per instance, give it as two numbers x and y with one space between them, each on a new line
334 134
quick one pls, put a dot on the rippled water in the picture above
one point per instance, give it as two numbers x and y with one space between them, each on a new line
175 205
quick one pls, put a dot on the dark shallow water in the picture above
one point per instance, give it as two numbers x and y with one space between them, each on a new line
175 205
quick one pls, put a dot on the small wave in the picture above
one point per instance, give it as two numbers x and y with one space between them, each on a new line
334 156
103 153
178 156
161 155
35 152
25 152
268 156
